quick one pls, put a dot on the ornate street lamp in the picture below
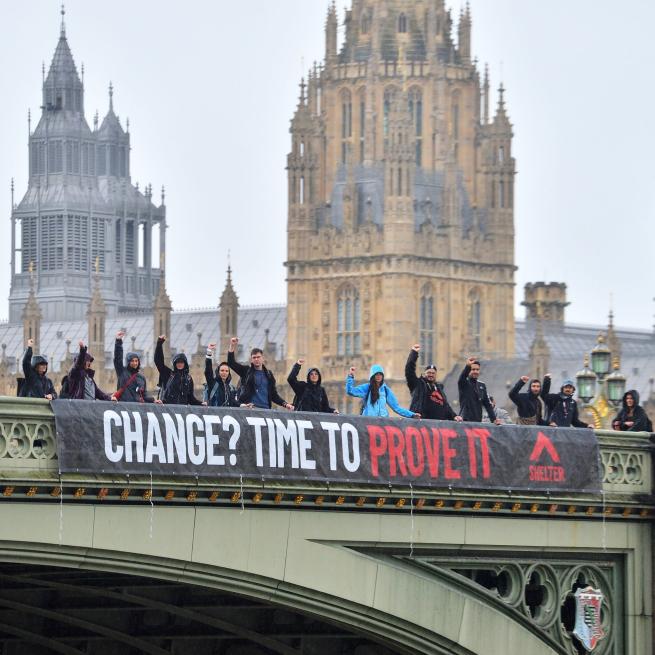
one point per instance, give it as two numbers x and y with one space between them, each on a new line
586 382
601 358
615 385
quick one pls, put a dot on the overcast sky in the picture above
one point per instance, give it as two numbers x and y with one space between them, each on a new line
210 86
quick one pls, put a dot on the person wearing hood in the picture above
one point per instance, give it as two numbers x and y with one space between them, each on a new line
175 383
473 394
131 386
220 392
428 396
561 408
632 417
376 394
257 387
529 405
36 384
310 395
81 382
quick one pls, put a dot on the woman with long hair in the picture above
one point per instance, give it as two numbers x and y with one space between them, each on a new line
375 394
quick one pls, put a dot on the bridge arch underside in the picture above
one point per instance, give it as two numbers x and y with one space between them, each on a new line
283 581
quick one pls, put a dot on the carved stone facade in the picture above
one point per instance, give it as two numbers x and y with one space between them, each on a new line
401 221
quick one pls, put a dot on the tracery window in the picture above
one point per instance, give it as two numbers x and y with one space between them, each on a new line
426 326
348 322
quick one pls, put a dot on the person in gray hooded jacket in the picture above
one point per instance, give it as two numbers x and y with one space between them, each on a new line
131 386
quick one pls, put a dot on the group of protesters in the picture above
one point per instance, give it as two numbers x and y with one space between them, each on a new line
258 389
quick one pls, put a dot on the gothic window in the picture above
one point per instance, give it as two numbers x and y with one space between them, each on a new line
501 194
118 249
366 23
129 242
302 148
28 242
402 23
416 111
501 154
389 96
493 194
113 160
474 320
92 159
346 123
85 159
98 234
34 159
42 156
122 161
78 242
102 160
362 125
426 325
301 196
52 243
348 322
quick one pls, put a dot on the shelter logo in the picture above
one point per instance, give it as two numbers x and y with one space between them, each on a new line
544 447
588 629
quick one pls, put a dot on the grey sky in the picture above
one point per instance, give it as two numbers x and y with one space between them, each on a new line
210 87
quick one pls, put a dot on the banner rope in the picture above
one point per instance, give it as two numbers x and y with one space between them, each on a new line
61 510
411 517
243 506
604 540
152 509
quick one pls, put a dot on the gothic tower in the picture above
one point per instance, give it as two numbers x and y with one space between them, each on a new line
229 314
81 206
401 197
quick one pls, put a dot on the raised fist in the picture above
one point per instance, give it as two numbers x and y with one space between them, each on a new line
211 346
234 341
352 371
81 343
300 362
524 379
162 337
470 361
120 334
416 347
30 343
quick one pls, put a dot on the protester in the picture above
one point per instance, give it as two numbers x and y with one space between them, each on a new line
502 414
561 408
473 394
376 394
131 386
220 392
175 384
530 405
311 395
36 383
81 384
428 396
632 417
257 387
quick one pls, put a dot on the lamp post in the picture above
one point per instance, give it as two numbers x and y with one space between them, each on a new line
599 390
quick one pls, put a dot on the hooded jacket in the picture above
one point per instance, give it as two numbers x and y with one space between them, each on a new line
219 393
36 385
638 418
246 390
176 384
560 408
310 397
135 391
78 376
428 398
385 398
528 405
472 396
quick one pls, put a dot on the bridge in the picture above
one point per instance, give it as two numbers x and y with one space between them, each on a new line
103 563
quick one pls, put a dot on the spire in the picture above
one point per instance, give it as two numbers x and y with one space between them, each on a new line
303 86
162 309
111 97
13 204
32 315
613 341
96 315
62 29
485 92
331 26
229 311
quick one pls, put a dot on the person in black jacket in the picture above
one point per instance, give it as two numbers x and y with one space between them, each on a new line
257 387
81 378
176 384
529 405
473 394
310 395
36 384
561 408
632 417
220 392
131 384
428 396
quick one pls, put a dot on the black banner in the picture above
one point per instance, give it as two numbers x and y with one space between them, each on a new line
122 438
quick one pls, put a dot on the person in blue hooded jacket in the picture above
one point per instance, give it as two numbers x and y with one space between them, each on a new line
376 394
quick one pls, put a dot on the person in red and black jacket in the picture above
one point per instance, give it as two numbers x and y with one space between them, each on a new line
81 382
428 396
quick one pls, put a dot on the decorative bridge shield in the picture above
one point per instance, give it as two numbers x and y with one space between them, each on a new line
129 438
588 628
